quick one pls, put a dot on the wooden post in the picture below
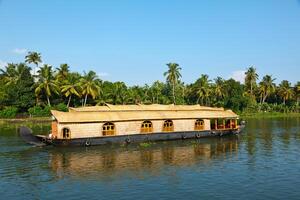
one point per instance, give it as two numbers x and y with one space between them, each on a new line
216 124
224 127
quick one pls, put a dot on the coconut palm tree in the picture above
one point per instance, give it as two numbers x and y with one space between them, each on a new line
62 71
13 73
157 87
70 86
35 58
285 91
9 74
118 93
251 77
89 84
266 87
297 92
203 89
46 83
173 75
219 88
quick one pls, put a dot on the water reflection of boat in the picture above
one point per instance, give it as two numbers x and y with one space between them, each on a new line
99 163
135 123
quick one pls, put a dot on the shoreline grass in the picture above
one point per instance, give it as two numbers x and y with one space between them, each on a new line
268 115
27 119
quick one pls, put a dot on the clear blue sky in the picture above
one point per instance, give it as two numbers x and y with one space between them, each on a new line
132 40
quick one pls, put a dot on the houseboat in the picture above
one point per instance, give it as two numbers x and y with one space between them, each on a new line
109 124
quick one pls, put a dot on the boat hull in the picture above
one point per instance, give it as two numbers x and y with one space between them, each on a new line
126 139
140 138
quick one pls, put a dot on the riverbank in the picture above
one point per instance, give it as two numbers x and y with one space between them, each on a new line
268 115
243 115
29 119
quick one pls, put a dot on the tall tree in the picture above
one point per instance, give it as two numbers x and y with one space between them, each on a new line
297 92
62 72
70 86
219 91
10 74
89 84
173 75
203 89
18 84
251 77
285 91
266 87
46 83
118 93
35 58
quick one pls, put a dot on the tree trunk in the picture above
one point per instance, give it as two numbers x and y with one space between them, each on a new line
265 97
261 99
48 101
85 98
174 93
69 101
251 88
183 95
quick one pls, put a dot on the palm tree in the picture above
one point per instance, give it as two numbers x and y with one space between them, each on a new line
203 89
297 92
219 88
266 87
285 91
13 73
46 83
173 74
33 57
89 84
118 93
157 87
251 77
70 86
9 74
62 71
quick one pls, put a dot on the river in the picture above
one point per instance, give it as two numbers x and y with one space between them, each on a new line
262 163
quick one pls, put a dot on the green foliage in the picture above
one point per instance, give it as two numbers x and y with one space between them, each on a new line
61 107
21 91
9 112
38 111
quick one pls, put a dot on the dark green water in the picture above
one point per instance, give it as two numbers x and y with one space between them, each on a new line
263 163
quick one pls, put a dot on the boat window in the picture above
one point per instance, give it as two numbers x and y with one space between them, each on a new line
168 126
199 124
66 133
108 129
146 127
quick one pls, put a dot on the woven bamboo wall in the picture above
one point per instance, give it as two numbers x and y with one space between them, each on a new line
83 130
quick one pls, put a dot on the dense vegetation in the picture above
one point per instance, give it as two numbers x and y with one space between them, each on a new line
29 89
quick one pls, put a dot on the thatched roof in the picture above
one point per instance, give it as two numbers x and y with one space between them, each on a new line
142 107
112 113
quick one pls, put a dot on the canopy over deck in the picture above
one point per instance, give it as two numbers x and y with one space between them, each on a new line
114 113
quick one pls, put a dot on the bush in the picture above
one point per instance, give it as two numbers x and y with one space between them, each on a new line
61 107
38 111
9 112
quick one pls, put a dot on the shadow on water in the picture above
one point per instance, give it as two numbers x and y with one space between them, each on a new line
111 162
